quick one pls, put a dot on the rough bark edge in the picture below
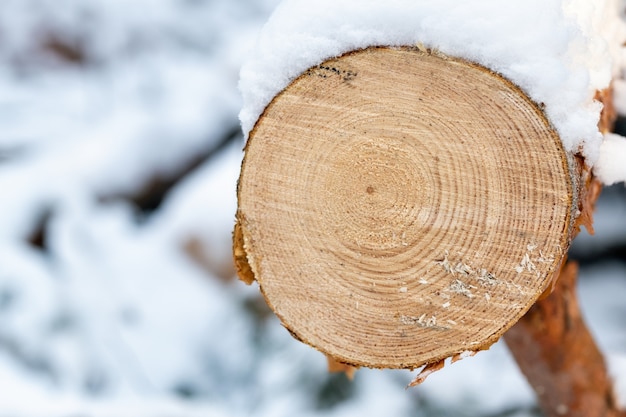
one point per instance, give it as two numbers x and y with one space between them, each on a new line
240 258
580 174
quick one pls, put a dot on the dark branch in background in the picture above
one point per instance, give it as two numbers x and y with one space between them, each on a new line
9 154
591 256
52 48
5 155
67 50
150 196
620 126
29 360
601 251
38 237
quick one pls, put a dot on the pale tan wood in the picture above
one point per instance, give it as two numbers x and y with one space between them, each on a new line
399 207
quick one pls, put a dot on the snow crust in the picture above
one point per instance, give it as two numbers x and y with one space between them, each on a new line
611 166
558 51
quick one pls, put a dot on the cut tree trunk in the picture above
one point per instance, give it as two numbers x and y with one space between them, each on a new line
398 207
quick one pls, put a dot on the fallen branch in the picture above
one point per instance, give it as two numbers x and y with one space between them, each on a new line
557 354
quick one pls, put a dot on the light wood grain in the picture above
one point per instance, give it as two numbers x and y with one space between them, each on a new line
399 207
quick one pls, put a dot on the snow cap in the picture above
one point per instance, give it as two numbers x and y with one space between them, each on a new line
560 52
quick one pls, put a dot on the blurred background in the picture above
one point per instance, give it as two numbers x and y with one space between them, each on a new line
120 149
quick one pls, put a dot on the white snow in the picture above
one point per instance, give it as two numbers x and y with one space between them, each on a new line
122 314
558 51
617 368
611 167
619 96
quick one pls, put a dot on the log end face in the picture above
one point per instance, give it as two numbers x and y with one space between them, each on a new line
405 214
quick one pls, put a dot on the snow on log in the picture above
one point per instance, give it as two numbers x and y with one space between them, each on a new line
414 173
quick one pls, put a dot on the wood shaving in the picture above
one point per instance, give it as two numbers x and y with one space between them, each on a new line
426 372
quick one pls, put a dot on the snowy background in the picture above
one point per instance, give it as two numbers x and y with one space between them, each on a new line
119 152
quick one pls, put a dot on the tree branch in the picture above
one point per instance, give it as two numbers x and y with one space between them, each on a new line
557 354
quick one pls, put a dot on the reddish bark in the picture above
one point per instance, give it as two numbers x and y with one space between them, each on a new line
557 354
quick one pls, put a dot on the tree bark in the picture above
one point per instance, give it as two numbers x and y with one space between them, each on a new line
557 354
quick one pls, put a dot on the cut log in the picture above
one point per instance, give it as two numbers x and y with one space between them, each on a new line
398 207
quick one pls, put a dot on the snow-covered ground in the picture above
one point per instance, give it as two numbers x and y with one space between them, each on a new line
119 154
